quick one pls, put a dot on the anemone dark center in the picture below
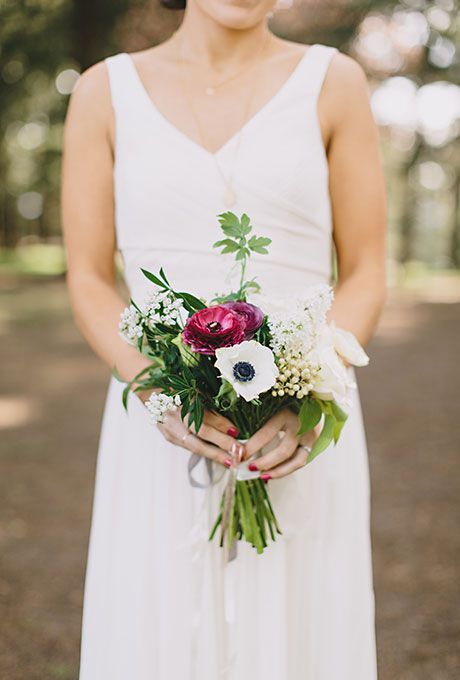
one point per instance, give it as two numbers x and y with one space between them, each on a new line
214 326
243 371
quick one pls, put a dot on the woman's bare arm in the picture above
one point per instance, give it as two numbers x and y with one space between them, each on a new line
88 221
358 197
359 210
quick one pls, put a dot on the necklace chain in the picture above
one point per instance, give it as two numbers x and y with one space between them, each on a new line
229 197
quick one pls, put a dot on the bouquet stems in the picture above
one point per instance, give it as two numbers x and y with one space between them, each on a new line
251 517
246 512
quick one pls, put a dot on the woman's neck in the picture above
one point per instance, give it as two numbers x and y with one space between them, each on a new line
204 41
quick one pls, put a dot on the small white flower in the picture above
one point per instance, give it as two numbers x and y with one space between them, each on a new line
159 403
296 323
249 367
162 307
130 326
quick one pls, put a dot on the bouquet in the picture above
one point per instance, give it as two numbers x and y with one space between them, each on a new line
246 361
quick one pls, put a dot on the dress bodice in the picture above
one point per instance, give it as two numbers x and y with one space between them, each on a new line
168 190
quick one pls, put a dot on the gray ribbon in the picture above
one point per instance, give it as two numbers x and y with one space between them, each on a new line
193 461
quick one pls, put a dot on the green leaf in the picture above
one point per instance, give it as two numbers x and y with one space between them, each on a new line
241 254
326 407
259 244
251 285
324 439
226 397
338 412
228 245
163 276
338 425
309 416
230 224
125 396
117 375
135 306
189 357
245 224
198 409
154 279
191 303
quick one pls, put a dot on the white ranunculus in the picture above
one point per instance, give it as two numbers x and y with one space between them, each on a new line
249 367
334 380
348 347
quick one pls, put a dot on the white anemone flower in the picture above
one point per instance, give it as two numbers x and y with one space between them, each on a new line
249 367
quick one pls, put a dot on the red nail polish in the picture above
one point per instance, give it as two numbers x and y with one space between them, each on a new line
228 462
232 431
253 467
265 477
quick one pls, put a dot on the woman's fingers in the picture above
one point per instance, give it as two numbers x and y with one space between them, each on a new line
297 461
265 435
282 452
211 434
196 445
220 423
209 443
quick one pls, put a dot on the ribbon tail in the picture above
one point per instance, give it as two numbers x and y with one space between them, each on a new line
228 509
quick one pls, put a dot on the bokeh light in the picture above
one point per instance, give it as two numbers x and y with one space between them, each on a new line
66 80
30 205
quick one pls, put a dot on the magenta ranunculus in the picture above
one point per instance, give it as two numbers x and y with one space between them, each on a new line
253 316
213 327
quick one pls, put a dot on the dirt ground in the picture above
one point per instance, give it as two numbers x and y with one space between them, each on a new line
52 392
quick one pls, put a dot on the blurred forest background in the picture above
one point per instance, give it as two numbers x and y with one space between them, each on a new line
409 50
52 387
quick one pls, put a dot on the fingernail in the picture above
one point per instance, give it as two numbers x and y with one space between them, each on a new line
228 462
253 467
232 431
265 477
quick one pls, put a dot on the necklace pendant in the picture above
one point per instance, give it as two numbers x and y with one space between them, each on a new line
229 197
210 91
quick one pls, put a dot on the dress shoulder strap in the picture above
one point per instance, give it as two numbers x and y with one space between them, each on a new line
317 61
122 84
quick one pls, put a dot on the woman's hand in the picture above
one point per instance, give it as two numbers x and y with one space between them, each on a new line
215 438
290 454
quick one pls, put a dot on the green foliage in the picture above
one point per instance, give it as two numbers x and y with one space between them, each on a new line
237 242
309 415
190 302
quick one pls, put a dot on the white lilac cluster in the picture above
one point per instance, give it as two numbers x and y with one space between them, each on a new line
163 307
159 403
296 327
130 325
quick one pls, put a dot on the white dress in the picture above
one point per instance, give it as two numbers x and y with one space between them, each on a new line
159 604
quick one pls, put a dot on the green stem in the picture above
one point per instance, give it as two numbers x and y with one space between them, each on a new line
243 274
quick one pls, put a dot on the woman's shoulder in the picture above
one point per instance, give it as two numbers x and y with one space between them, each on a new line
345 82
91 96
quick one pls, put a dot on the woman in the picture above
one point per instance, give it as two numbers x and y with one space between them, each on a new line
222 116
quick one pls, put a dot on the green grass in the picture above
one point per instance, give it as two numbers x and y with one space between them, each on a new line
39 259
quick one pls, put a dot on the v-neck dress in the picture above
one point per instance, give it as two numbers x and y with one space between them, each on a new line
159 604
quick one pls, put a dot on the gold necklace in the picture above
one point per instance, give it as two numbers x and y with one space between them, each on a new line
229 196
